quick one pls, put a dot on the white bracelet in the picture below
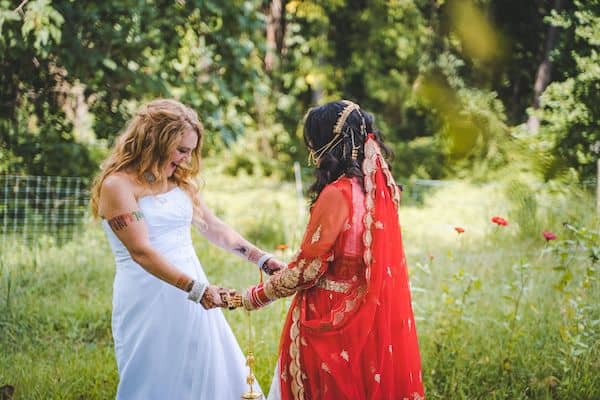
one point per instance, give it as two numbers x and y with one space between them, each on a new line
262 260
198 289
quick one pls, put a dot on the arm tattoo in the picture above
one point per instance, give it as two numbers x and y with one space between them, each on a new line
243 250
184 283
251 254
122 221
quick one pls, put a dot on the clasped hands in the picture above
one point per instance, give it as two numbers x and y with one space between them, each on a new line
215 296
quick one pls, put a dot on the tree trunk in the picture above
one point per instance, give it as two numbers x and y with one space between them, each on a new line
275 34
544 72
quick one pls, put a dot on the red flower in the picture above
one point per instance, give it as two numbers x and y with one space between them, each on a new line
549 236
459 229
499 221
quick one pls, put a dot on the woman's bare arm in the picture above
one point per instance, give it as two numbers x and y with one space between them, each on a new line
224 236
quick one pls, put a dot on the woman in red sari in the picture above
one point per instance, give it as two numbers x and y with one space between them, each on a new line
350 331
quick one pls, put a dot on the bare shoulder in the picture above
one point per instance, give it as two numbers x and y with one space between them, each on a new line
117 195
117 181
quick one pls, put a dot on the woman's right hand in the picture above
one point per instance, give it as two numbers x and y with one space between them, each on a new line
273 265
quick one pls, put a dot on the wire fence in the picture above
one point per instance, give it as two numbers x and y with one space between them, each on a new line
31 206
54 206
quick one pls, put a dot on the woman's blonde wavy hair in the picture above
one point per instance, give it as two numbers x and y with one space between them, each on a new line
146 145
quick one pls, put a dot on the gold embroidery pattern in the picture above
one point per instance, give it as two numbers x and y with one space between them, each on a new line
287 281
344 355
283 284
414 396
311 272
349 305
327 284
316 235
295 369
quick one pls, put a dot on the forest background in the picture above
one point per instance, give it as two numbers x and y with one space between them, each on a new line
459 88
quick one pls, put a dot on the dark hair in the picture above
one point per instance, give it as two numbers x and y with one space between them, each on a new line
318 131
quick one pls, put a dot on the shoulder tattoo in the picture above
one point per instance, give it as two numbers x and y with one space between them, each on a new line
124 220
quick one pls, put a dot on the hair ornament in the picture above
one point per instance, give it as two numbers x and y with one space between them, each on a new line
315 155
350 106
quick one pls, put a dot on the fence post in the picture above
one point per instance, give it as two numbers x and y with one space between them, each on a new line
299 190
598 186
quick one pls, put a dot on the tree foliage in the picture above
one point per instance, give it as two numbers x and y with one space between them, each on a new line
571 106
63 58
448 80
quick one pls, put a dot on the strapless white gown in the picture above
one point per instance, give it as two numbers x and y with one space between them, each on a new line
167 347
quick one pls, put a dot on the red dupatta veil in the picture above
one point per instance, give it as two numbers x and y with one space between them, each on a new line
368 348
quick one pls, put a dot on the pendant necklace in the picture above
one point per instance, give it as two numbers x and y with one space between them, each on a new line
150 178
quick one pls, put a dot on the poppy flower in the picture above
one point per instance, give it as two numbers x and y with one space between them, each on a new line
459 229
499 221
282 247
549 236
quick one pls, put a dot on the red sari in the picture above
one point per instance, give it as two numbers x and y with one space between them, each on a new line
350 331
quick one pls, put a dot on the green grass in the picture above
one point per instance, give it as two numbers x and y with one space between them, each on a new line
500 314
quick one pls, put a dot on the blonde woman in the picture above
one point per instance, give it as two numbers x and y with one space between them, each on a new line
167 345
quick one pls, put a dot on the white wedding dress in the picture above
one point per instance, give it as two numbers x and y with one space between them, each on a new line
167 347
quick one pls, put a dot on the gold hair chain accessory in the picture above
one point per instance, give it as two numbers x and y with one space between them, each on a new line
350 106
315 155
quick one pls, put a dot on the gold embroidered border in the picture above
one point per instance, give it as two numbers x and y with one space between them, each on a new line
334 286
349 305
369 169
390 182
295 369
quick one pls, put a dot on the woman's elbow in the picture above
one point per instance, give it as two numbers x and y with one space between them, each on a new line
141 254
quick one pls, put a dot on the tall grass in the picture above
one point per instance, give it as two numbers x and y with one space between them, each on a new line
501 314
